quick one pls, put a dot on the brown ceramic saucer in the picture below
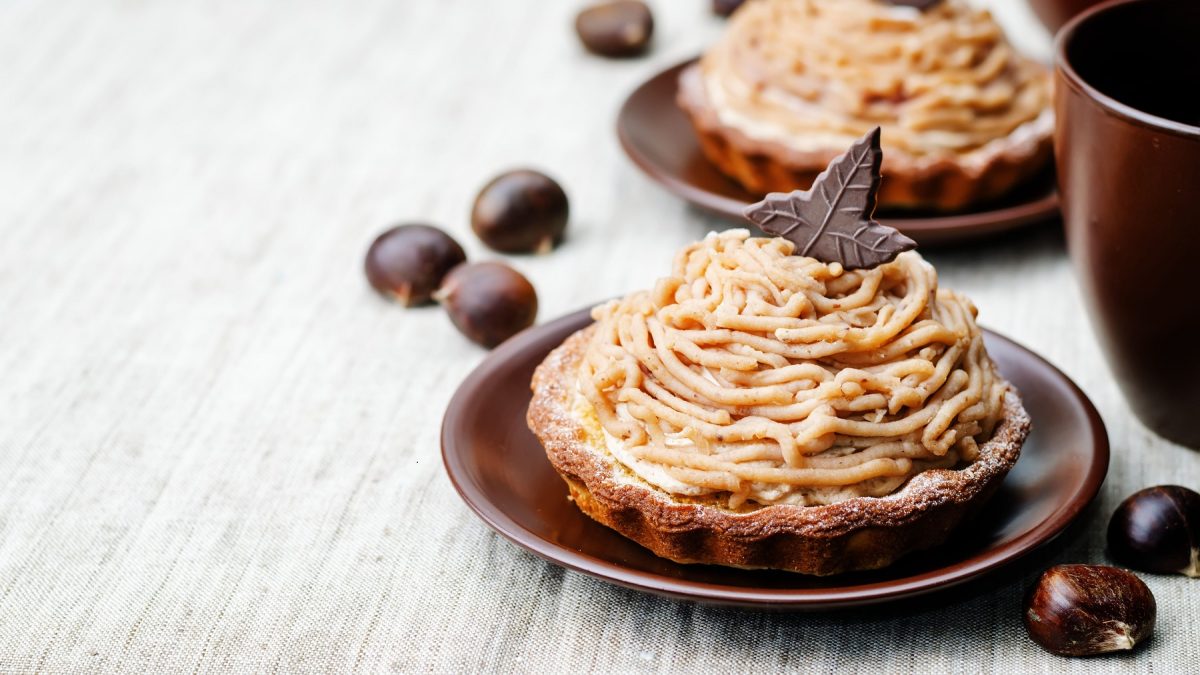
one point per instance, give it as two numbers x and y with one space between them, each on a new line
501 471
658 137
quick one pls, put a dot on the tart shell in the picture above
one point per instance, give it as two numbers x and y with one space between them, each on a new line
762 166
862 533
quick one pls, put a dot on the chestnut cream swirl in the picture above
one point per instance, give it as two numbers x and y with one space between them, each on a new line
820 73
771 378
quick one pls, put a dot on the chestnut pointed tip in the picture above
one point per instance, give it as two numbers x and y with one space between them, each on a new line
404 296
1120 639
1193 568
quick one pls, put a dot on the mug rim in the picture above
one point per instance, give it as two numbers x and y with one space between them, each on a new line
1110 104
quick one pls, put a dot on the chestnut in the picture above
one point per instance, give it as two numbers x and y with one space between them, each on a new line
1082 610
407 262
725 7
488 302
616 29
1158 530
521 211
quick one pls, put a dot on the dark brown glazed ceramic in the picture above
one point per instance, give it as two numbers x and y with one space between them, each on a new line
1128 154
658 137
501 472
1054 13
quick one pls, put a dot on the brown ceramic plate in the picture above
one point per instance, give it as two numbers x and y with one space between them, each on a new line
658 137
501 471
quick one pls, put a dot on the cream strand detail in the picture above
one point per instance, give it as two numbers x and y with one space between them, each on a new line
774 378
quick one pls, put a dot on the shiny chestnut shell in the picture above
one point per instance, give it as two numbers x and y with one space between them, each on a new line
408 262
1083 610
521 211
1158 530
488 302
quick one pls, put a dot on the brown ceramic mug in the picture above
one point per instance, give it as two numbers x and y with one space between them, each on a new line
1127 146
1054 13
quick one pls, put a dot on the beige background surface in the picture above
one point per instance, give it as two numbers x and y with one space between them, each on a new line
219 450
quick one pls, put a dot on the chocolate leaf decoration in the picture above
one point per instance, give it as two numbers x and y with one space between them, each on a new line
919 4
831 221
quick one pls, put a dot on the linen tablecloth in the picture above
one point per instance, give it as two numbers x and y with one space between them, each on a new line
219 449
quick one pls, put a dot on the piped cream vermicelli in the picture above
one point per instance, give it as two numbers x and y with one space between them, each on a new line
773 378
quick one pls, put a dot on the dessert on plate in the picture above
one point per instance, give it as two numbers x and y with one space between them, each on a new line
811 401
791 83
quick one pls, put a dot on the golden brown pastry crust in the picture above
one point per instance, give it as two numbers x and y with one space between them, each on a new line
764 166
857 534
